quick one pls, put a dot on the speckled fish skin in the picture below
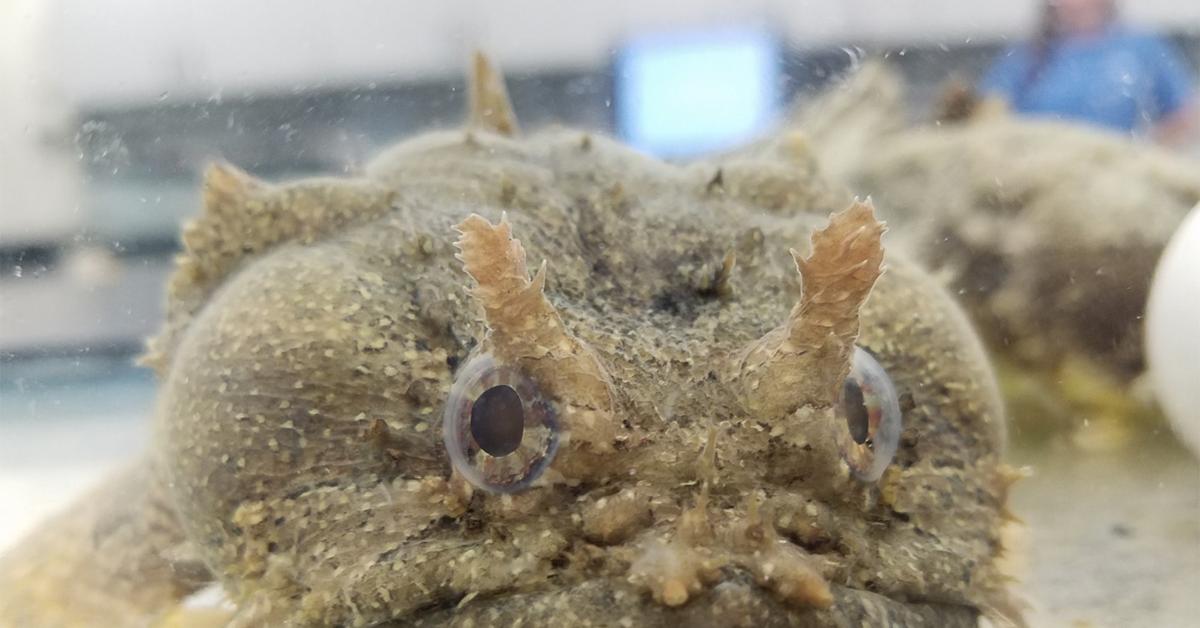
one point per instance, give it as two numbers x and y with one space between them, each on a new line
314 330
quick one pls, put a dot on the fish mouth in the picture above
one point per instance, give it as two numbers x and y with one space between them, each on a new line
735 601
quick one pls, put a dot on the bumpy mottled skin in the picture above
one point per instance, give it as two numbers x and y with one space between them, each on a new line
315 329
1048 233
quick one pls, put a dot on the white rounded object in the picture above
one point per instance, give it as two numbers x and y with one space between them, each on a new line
1173 331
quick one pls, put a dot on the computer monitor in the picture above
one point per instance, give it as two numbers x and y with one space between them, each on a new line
683 94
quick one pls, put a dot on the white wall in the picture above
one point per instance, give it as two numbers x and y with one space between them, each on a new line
39 182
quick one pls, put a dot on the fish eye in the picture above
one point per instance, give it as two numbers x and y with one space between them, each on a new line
871 409
500 431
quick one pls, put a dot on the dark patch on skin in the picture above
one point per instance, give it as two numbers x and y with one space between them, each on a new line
716 182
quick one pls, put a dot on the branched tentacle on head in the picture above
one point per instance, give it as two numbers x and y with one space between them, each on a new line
776 373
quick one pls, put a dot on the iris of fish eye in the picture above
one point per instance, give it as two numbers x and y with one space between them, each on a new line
855 410
498 420
870 407
501 432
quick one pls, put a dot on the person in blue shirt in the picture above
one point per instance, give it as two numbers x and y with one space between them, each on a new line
1083 65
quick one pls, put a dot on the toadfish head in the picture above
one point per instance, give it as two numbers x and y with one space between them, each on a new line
542 380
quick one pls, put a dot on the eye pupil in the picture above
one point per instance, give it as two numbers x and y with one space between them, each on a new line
871 408
854 407
498 420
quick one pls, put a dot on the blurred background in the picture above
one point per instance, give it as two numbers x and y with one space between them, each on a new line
109 110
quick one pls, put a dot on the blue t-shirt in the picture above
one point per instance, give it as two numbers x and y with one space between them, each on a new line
1121 80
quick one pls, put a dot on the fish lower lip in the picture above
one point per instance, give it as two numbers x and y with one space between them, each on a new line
736 601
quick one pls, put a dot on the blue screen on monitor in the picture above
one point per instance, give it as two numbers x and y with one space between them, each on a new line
683 94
